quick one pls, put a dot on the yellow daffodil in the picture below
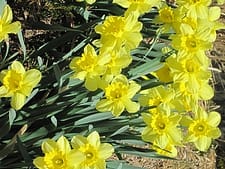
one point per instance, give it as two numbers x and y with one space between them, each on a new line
189 69
202 128
196 9
140 6
94 151
89 67
168 17
163 74
58 155
118 96
156 96
191 42
119 59
211 24
6 24
162 127
18 83
118 31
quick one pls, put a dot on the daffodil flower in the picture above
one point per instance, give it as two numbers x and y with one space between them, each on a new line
202 128
58 155
89 67
118 96
6 24
93 150
162 127
118 31
18 83
196 9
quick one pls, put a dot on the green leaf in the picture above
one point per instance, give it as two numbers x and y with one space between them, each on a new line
54 121
145 68
121 130
12 116
35 135
23 151
58 74
21 40
94 118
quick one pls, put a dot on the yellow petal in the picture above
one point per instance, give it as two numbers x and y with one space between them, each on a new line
120 78
203 143
3 91
118 108
105 150
133 89
12 28
214 13
214 133
104 105
214 118
48 146
91 83
123 3
17 66
18 101
131 107
32 77
63 144
40 163
90 1
94 139
7 15
74 154
78 141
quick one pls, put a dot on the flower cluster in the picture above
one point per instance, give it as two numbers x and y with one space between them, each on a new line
102 70
192 26
86 152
